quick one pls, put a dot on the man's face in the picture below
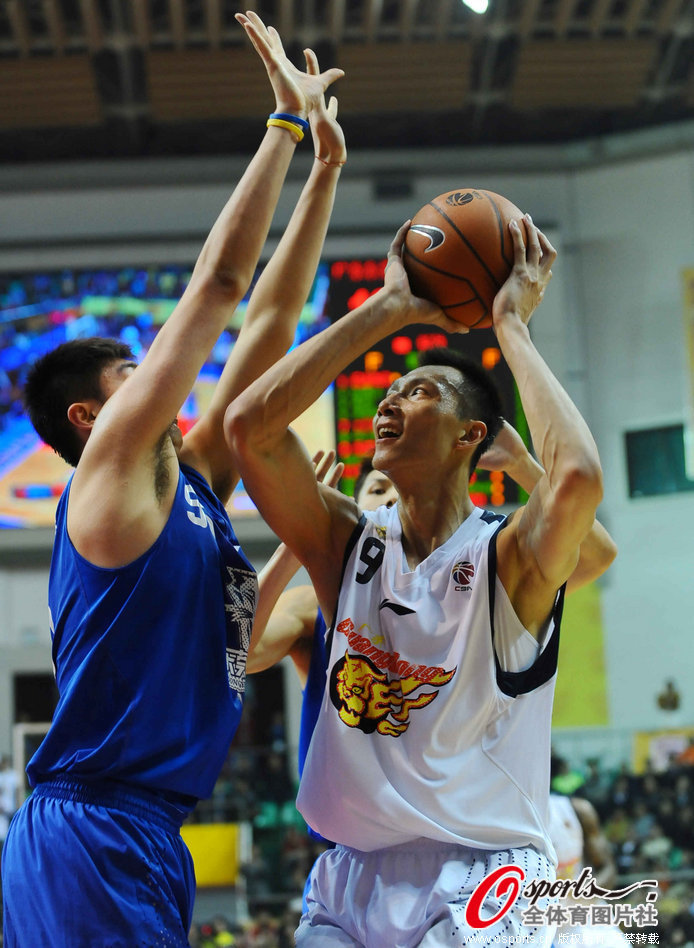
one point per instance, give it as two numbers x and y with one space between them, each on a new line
418 418
377 489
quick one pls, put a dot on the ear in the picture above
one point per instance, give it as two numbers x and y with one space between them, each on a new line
473 432
83 414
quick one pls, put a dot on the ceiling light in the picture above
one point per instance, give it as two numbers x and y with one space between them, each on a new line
477 6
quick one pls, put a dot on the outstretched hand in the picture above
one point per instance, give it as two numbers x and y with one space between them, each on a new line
296 92
322 461
328 137
532 270
396 284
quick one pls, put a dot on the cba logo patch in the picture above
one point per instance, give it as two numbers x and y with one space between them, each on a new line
463 573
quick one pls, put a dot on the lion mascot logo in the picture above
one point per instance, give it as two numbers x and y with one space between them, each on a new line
367 699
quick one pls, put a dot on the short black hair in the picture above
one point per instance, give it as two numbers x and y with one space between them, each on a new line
478 396
69 373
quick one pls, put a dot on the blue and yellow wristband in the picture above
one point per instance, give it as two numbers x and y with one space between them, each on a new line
292 123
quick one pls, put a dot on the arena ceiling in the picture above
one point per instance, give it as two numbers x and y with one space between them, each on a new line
133 78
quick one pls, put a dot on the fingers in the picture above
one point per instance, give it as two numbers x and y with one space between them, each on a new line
532 250
397 243
332 107
538 249
259 40
276 39
330 76
257 23
311 62
322 461
518 245
337 473
549 254
451 326
313 69
265 39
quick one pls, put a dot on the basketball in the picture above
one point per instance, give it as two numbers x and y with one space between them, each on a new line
459 251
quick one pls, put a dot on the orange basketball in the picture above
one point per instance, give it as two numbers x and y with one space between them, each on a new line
459 251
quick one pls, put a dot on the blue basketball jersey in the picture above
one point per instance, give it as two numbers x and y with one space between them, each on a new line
313 698
314 690
150 658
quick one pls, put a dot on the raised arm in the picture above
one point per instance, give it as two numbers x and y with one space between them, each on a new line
285 618
314 522
124 484
540 549
143 408
283 288
508 453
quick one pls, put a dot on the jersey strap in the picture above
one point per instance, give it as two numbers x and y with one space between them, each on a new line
544 667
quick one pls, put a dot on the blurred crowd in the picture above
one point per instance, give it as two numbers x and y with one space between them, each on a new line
648 819
265 930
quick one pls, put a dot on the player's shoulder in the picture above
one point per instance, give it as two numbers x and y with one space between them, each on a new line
479 531
586 812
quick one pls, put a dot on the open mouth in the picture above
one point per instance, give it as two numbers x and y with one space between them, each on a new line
387 434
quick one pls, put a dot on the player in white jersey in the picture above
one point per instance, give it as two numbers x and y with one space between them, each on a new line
285 621
574 827
428 795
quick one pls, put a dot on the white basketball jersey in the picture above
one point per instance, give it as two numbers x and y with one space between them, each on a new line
567 836
421 733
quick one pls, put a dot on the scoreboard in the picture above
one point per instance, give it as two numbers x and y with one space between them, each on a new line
361 386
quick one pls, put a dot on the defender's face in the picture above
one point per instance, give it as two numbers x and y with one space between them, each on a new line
377 490
418 417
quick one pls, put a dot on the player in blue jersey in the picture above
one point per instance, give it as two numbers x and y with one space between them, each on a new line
429 763
151 599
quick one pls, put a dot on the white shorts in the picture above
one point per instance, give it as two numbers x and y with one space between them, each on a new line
413 895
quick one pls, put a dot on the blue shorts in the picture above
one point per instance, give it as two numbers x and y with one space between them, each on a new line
96 866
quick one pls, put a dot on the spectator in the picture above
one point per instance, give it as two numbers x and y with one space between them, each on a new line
656 847
686 757
256 872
